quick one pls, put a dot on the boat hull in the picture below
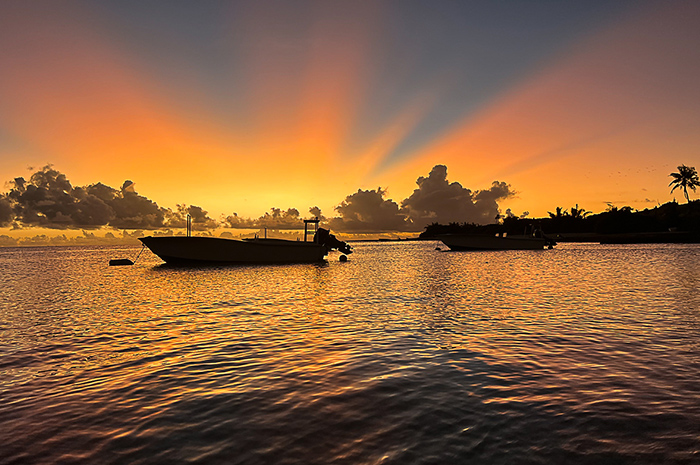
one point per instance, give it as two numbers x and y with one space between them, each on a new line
474 242
193 250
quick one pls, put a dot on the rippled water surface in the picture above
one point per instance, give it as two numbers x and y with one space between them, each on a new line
402 355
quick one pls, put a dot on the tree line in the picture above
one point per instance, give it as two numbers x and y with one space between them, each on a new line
577 223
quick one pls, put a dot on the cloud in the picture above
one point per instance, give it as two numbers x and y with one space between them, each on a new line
5 212
86 238
129 186
316 213
237 222
369 211
48 199
276 218
200 218
509 214
438 201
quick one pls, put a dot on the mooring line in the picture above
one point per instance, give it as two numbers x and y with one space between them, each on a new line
137 257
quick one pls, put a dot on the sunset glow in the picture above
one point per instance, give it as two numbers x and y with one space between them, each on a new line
253 105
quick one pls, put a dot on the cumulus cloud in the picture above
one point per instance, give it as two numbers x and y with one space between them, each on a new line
129 186
276 218
369 211
316 213
48 199
238 222
509 214
200 218
6 214
436 200
279 219
86 238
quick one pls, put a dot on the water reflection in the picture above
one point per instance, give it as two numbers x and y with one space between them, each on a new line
401 355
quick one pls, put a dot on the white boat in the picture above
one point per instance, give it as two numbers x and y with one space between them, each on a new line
495 242
202 249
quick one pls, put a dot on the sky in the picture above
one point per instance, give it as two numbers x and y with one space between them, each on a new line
243 106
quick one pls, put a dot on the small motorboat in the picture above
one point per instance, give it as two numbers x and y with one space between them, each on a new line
536 241
203 249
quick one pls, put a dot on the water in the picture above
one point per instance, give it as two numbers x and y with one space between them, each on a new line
402 355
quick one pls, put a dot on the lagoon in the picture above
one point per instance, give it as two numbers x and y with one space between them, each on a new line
582 354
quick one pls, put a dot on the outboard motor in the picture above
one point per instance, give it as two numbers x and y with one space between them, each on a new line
324 237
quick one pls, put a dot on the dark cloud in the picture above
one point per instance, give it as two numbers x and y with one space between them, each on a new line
279 219
435 200
87 238
200 218
238 222
439 201
133 211
6 213
369 211
7 241
92 211
486 201
316 213
49 200
276 218
509 214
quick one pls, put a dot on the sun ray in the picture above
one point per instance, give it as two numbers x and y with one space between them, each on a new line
621 84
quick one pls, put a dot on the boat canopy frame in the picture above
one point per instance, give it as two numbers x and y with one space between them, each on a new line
313 221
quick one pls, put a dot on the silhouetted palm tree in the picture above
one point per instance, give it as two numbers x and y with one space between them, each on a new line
575 213
558 213
579 212
686 177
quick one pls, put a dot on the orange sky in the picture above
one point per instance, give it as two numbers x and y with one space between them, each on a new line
607 121
305 114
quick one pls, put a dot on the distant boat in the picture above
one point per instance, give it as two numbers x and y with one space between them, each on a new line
495 242
202 249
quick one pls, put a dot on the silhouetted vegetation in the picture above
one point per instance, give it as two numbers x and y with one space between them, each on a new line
671 222
686 177
575 212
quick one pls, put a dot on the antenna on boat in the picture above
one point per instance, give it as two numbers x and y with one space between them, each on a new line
189 225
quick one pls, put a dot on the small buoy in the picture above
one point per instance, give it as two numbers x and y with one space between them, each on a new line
343 258
120 262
